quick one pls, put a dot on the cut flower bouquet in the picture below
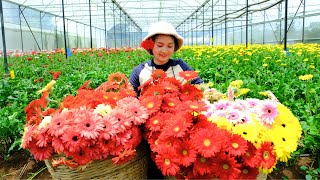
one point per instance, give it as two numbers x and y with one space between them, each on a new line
190 138
96 124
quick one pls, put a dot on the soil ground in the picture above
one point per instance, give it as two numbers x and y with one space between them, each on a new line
21 165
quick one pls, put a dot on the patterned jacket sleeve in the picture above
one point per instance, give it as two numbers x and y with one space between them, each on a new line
134 79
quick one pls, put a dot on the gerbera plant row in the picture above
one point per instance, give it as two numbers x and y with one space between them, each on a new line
95 124
190 137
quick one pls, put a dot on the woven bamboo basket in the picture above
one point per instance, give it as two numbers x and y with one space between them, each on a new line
105 169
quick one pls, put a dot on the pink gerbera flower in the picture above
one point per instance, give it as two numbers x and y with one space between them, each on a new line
122 117
124 102
138 113
221 105
110 127
88 123
41 153
28 134
73 141
267 112
59 123
122 138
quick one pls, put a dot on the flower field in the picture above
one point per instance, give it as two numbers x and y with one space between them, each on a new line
293 76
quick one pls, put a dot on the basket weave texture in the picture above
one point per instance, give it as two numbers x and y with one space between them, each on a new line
105 169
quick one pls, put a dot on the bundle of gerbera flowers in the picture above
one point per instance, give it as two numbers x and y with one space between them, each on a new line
96 124
268 130
183 143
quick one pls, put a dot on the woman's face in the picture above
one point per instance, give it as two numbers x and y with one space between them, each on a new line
163 49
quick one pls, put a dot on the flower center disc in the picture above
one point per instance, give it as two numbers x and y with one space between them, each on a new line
150 105
206 142
155 121
235 145
184 152
225 166
176 129
265 155
167 161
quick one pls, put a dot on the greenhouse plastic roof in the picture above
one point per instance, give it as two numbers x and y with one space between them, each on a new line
141 13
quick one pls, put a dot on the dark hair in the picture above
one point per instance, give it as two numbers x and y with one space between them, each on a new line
176 45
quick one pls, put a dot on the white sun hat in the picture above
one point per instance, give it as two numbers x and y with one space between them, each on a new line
164 28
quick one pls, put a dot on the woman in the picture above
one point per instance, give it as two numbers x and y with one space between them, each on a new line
161 42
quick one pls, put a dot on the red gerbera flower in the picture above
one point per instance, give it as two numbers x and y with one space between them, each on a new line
154 91
135 137
176 126
152 103
156 122
236 145
56 75
225 167
169 87
196 106
248 173
186 153
207 142
202 166
190 92
168 162
170 104
41 153
81 157
252 157
188 75
268 155
124 156
158 74
147 44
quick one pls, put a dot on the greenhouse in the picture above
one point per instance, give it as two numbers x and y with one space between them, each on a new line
160 89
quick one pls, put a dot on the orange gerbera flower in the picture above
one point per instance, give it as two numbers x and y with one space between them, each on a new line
188 75
118 78
56 75
186 153
154 91
158 74
196 106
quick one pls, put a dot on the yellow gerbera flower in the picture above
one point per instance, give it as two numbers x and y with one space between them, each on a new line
306 77
48 87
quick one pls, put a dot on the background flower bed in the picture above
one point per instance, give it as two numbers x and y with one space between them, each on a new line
260 67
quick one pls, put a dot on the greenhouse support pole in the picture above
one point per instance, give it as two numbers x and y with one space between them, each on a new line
191 32
114 27
264 26
285 24
212 24
105 23
225 23
247 14
64 30
120 31
303 19
203 27
57 44
41 31
20 22
90 24
197 29
5 60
